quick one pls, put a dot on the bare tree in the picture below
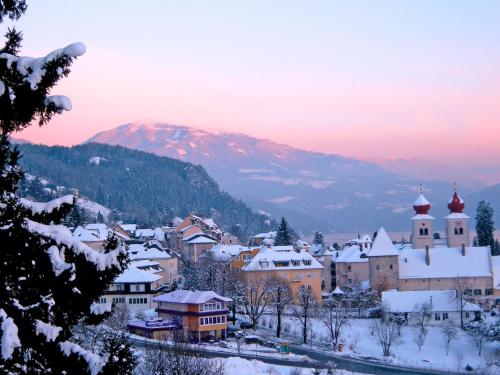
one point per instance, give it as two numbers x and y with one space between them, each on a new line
178 358
419 336
119 317
421 314
255 297
334 314
385 332
462 289
480 331
280 299
236 291
449 332
305 309
360 298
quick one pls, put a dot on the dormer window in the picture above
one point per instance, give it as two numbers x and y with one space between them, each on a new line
307 262
281 263
296 263
264 264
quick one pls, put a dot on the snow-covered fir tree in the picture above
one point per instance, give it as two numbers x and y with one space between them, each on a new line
50 281
318 238
485 226
283 235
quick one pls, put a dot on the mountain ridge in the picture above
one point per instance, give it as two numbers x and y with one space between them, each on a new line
317 190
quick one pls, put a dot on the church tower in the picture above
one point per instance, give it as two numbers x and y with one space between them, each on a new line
422 233
457 223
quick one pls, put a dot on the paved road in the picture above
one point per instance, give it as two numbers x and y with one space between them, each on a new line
321 358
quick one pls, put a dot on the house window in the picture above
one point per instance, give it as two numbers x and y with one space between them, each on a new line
119 287
445 316
137 287
468 292
223 319
102 300
477 292
390 266
307 262
377 267
488 292
348 268
467 315
295 263
202 323
437 316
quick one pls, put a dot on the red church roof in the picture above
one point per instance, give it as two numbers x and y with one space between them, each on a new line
456 204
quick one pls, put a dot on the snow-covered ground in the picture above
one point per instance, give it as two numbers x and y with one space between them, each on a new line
359 341
240 366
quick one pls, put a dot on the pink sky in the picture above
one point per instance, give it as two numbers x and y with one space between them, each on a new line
356 80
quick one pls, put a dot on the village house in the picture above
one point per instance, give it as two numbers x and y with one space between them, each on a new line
351 263
282 262
134 288
201 314
264 238
443 306
153 250
196 245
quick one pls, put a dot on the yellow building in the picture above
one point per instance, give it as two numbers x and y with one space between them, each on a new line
297 268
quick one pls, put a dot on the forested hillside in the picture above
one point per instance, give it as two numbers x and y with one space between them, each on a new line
142 187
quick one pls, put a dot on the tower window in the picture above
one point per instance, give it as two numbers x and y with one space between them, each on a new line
461 230
421 231
426 231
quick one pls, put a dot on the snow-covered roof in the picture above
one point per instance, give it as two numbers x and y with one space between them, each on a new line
421 201
129 227
267 258
382 245
86 235
144 263
457 215
142 251
351 254
422 217
337 290
445 262
201 239
495 263
226 252
439 300
150 233
282 248
134 275
266 235
190 297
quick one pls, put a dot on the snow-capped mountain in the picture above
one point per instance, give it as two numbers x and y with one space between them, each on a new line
313 190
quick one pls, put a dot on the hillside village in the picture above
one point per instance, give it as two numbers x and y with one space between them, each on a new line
182 272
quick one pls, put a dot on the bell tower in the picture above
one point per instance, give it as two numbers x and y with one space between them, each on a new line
456 222
422 233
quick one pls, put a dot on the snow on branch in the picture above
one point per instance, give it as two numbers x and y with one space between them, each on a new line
38 208
57 260
60 102
100 308
10 341
62 236
49 331
94 362
34 68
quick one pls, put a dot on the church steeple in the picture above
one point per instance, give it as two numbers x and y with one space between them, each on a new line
457 223
422 234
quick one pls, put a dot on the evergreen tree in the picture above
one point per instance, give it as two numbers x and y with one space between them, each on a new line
485 226
283 236
496 248
100 217
50 282
76 217
318 238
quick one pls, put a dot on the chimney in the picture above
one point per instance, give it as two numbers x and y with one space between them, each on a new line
463 249
427 255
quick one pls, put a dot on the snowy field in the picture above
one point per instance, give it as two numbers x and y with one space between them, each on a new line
359 341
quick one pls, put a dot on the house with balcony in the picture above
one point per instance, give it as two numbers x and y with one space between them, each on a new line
202 315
